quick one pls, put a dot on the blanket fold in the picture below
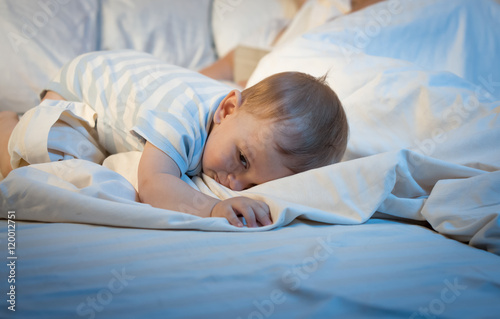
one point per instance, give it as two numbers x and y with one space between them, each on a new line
457 201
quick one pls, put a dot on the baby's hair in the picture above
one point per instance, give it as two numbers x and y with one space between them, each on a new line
306 112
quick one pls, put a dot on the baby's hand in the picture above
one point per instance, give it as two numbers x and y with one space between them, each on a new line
254 211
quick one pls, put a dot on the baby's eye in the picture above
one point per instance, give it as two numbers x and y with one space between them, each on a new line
243 160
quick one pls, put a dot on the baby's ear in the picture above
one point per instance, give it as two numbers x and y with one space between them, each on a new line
228 105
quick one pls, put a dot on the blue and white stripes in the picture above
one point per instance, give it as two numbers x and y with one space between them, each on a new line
134 93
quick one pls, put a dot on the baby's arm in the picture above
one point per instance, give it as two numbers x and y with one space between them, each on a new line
160 186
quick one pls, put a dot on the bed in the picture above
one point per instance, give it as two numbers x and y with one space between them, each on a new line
406 226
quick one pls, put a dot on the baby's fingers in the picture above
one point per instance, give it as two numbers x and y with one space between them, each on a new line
223 210
262 214
255 213
234 220
248 213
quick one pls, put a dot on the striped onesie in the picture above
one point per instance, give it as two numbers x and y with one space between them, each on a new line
138 97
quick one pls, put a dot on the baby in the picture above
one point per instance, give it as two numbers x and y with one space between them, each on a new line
184 123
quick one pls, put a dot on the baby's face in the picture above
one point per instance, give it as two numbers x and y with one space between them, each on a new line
240 152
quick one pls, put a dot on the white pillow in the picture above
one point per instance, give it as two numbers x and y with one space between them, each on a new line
312 14
422 75
37 38
176 31
460 36
254 23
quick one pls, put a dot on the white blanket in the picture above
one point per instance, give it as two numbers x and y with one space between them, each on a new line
457 201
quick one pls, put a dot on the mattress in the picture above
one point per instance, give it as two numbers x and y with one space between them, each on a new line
380 269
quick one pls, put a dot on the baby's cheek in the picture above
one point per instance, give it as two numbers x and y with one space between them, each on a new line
205 162
230 166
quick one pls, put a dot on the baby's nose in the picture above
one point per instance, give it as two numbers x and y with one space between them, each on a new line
237 183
